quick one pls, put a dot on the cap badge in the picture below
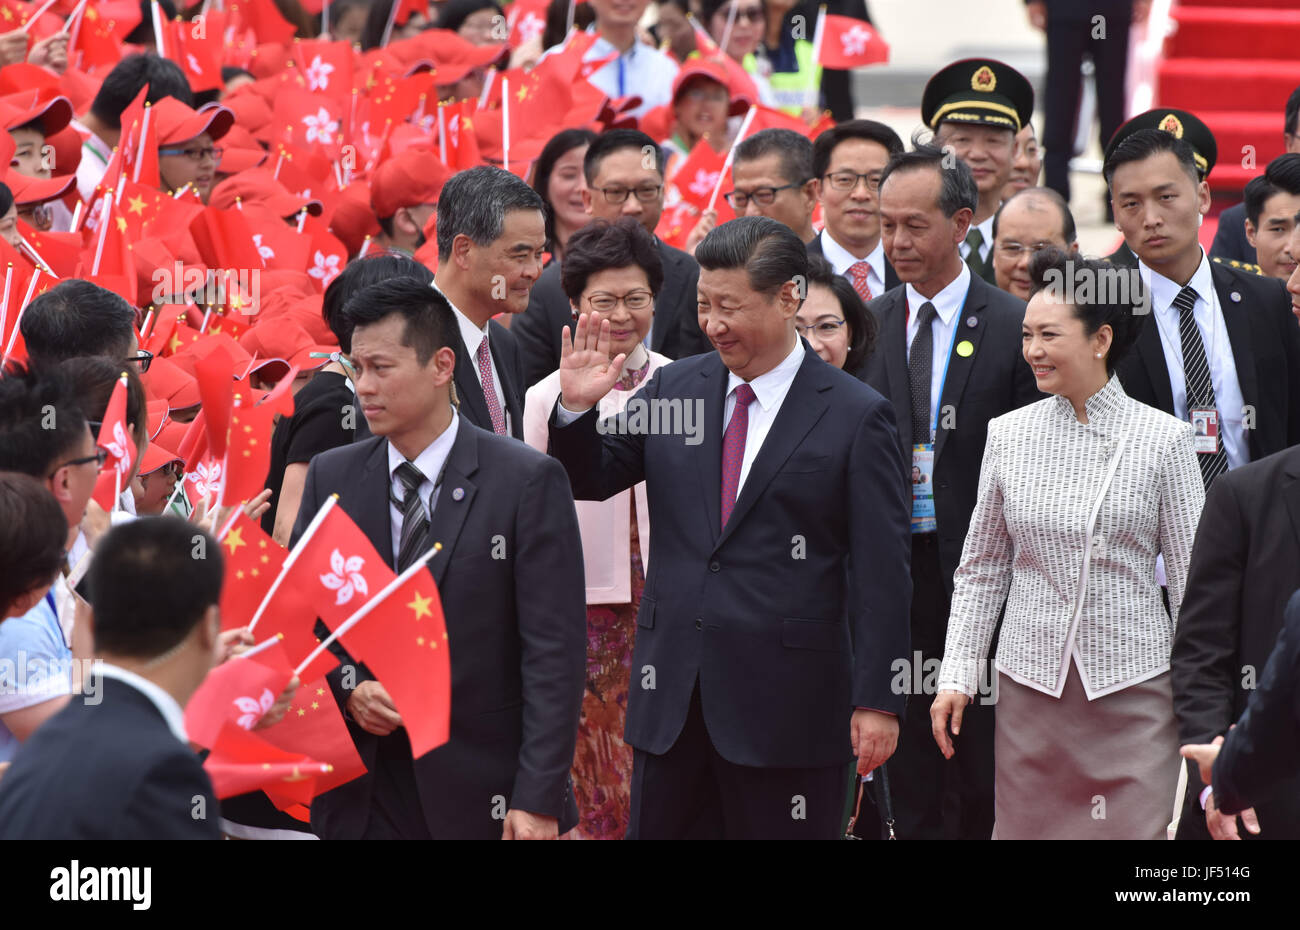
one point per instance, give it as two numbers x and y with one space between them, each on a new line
1172 125
983 79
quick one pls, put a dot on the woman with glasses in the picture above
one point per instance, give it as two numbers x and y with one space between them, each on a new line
834 319
188 155
738 27
612 272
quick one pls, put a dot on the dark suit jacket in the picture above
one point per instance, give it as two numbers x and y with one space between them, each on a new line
516 627
760 613
1261 756
1265 343
994 379
469 391
107 771
1230 242
675 333
1245 566
891 276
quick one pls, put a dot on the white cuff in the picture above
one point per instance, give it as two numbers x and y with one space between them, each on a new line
1205 794
564 416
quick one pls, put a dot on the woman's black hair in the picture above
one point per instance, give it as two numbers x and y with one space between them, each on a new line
560 144
600 246
1113 296
557 18
361 273
455 12
862 325
6 199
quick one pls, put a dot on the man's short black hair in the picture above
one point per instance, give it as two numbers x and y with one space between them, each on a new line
1045 193
475 202
1282 176
794 151
957 188
41 424
143 31
616 140
1293 113
600 246
150 582
76 318
1145 143
430 323
867 129
93 379
374 267
165 79
33 532
768 250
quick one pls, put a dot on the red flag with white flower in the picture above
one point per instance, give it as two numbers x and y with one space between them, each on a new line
198 47
328 256
326 66
851 43
120 446
314 725
698 174
310 121
527 21
238 691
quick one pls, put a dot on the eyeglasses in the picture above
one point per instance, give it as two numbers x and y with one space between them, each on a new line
646 193
99 458
144 359
633 300
826 329
1014 250
197 155
754 14
848 180
707 95
763 196
38 214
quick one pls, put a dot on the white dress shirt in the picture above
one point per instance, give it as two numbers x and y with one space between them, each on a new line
642 71
94 161
430 463
473 336
842 260
986 230
769 393
166 704
947 306
1218 353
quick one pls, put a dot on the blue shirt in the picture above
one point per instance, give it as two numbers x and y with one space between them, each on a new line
35 665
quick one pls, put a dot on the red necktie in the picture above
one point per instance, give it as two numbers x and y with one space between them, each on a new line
733 449
858 277
490 388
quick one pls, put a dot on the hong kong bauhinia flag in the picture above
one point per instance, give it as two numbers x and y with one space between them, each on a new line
116 440
851 43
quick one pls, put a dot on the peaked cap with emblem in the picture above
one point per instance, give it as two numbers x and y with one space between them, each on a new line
980 91
1181 125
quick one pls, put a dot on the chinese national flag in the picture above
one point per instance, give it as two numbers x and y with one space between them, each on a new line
224 239
314 725
698 175
160 333
215 374
337 569
237 691
403 641
100 33
242 761
149 211
60 252
248 459
107 257
253 560
851 43
114 438
461 141
264 19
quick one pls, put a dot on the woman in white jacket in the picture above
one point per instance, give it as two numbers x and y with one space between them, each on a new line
1079 493
613 272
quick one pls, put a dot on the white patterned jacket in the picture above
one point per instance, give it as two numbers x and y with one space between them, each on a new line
1051 521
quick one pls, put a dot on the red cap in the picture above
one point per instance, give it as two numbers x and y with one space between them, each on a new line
714 71
155 457
67 150
241 151
280 344
259 186
353 218
251 109
176 123
168 381
451 55
156 411
414 177
29 190
22 76
21 108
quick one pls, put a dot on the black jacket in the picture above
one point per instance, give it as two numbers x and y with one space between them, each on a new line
473 406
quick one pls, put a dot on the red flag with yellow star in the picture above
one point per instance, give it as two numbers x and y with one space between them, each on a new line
242 761
248 459
252 562
314 725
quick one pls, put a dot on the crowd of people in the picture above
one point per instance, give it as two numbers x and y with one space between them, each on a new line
752 472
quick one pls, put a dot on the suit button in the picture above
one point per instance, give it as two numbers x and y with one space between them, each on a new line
699 624
715 566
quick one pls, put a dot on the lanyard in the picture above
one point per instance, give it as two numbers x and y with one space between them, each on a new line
54 612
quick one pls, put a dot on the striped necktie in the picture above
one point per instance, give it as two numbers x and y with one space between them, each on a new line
1196 377
414 538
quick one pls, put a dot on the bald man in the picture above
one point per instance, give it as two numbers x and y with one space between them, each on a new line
1033 219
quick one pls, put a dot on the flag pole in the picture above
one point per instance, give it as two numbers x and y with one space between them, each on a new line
442 134
487 88
370 605
104 220
73 24
35 16
260 647
726 31
731 154
180 486
392 21
293 556
31 287
144 134
156 15
813 92
568 22
505 123
4 302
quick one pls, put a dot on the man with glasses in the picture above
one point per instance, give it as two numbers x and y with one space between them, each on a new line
187 152
1026 223
847 163
77 318
624 174
773 176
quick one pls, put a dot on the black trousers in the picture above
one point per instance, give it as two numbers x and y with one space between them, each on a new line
395 809
936 798
1067 42
691 792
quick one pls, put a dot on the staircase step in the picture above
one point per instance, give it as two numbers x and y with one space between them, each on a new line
1231 32
1204 84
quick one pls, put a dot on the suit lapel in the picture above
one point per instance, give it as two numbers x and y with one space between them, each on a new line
891 276
893 326
1290 491
715 398
468 389
666 298
1237 320
959 366
800 411
1153 358
371 511
454 497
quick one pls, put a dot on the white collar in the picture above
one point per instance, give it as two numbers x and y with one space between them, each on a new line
166 704
948 302
470 332
1163 290
842 259
986 230
430 460
770 386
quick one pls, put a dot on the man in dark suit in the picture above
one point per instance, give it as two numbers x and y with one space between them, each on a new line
509 577
948 356
491 233
625 177
1258 763
777 592
847 161
115 763
1232 330
773 176
1245 565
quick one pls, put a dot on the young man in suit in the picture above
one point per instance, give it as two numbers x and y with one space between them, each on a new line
948 356
976 107
1245 565
116 763
624 170
776 598
847 162
491 233
1217 340
773 176
509 576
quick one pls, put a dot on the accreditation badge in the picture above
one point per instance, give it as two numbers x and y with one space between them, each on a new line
923 519
1205 424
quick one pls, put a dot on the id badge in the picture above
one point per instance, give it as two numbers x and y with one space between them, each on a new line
1205 424
923 519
